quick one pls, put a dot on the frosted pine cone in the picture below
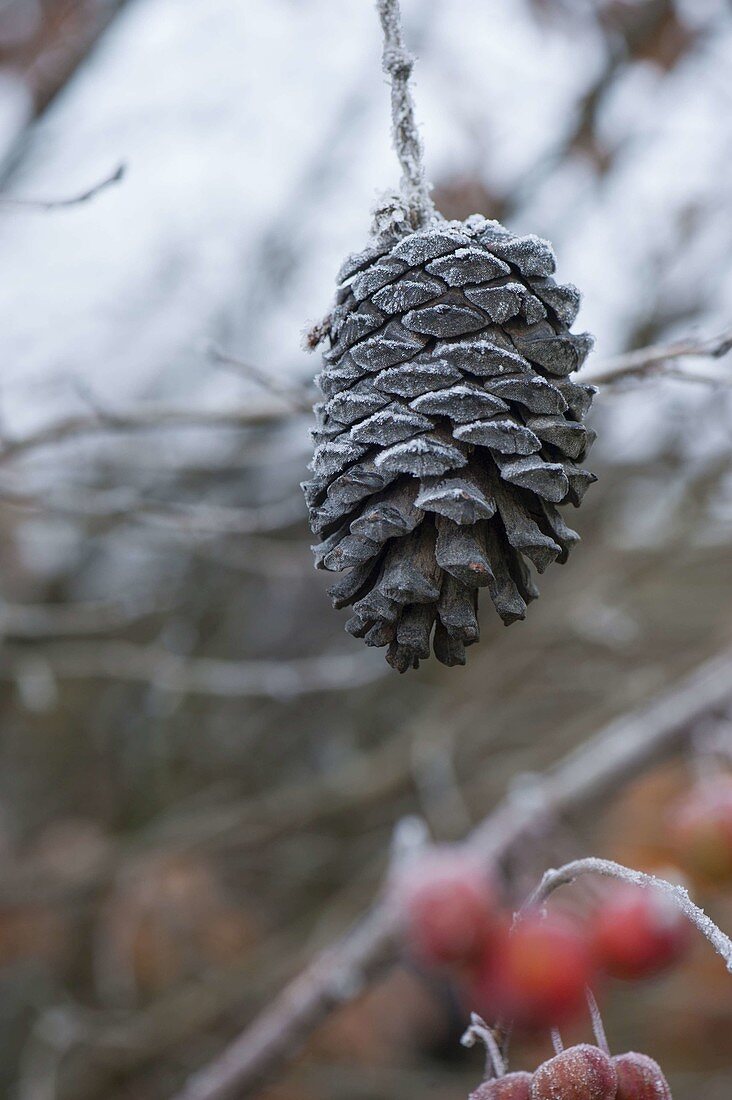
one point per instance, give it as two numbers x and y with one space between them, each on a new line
448 434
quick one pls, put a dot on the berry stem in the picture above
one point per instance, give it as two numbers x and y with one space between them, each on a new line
567 874
479 1030
598 1026
557 1041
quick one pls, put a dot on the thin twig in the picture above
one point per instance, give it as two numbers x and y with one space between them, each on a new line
74 200
567 874
190 519
296 396
398 64
153 416
148 417
658 359
210 519
622 749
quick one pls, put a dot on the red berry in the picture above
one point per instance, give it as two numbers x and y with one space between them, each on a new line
448 907
514 1086
639 932
579 1073
640 1078
701 826
538 975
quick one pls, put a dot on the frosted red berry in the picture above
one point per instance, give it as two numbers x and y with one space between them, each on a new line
701 828
583 1072
538 975
638 932
448 908
514 1086
640 1078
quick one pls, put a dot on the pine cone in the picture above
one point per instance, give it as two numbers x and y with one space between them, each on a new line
448 434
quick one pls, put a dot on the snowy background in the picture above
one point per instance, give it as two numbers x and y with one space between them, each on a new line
255 136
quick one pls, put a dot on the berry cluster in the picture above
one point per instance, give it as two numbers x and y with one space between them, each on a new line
582 1072
536 971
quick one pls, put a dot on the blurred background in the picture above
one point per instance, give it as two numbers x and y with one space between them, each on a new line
200 772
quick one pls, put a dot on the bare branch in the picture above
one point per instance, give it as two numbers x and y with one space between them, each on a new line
212 519
622 749
296 396
150 664
258 554
45 620
189 518
659 359
147 417
74 200
567 874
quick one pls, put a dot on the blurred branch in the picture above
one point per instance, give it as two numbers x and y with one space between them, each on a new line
74 200
77 1053
150 664
260 555
644 362
660 359
211 519
30 621
189 518
621 750
296 396
148 417
238 824
633 37
64 45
